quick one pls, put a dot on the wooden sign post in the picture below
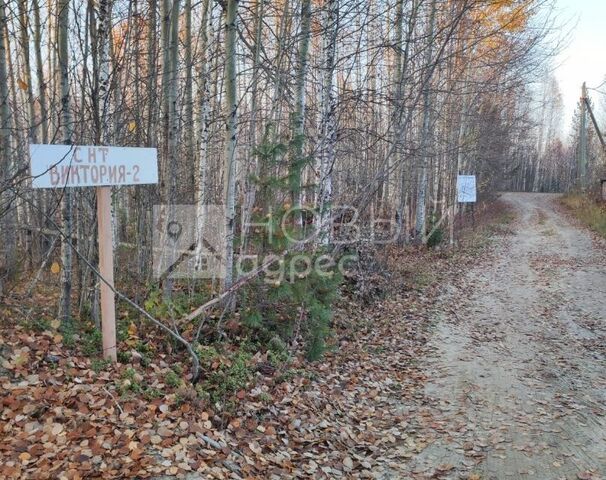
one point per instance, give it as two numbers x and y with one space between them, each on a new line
106 269
61 166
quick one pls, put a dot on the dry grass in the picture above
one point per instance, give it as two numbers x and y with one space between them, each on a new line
588 210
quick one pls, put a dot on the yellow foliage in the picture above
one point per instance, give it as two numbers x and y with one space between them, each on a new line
132 330
503 15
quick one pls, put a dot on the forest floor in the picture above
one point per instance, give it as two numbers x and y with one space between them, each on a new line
484 363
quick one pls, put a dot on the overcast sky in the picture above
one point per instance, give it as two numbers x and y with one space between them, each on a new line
584 59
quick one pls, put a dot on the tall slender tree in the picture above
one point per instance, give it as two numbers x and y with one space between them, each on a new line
230 14
425 146
298 116
8 259
65 122
328 130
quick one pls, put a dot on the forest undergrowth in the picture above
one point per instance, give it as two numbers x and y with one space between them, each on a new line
263 404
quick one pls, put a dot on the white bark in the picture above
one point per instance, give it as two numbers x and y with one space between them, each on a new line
66 130
103 44
26 66
421 220
188 101
252 164
231 114
328 133
42 90
203 135
298 122
7 235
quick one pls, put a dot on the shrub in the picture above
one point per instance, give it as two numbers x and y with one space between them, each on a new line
277 312
172 379
233 374
436 232
285 304
92 342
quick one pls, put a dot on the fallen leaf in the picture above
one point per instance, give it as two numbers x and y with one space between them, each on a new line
24 457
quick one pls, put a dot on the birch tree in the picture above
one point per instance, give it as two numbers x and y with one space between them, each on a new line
65 122
40 77
298 118
8 258
328 132
203 134
231 114
24 24
421 220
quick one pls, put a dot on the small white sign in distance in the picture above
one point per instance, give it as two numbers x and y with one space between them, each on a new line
58 166
466 188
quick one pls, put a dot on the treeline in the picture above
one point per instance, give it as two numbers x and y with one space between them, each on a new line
553 160
266 108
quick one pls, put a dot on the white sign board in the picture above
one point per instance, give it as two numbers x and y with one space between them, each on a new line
466 188
58 166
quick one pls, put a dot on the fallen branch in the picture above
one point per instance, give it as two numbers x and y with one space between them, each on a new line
231 290
114 399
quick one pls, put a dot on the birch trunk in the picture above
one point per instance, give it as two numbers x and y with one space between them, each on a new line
203 134
231 112
397 107
7 262
102 81
252 164
26 67
65 122
103 34
283 24
25 213
298 121
188 90
421 220
170 44
328 133
402 133
43 102
173 132
42 93
152 106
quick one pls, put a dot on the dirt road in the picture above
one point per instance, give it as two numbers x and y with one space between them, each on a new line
517 380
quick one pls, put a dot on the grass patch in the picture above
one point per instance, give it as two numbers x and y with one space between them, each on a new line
591 212
506 218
